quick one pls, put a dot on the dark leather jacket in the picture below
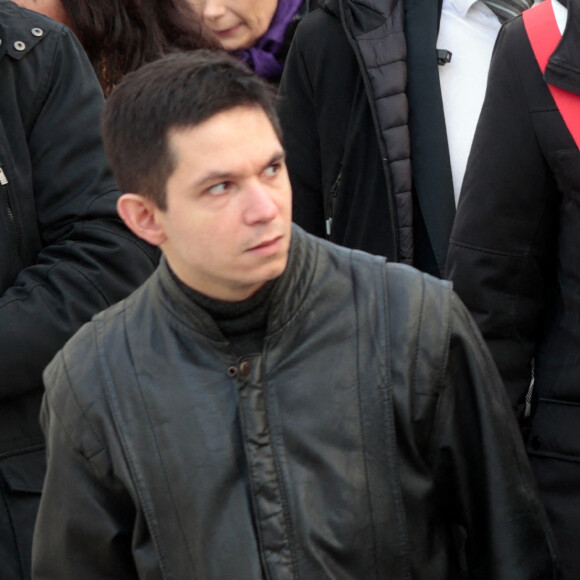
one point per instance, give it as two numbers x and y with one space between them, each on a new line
64 255
370 438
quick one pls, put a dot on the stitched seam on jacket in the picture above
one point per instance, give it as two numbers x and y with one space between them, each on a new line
391 433
62 423
44 85
146 502
485 250
361 422
283 492
440 381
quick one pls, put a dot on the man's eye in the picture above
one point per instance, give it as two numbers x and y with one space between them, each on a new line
218 189
272 170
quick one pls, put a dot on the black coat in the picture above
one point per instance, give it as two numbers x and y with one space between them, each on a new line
364 130
514 259
64 255
362 442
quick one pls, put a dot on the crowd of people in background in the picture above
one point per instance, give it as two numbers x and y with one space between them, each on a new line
442 135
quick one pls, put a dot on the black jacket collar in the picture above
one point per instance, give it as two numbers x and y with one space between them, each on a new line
563 68
288 293
367 14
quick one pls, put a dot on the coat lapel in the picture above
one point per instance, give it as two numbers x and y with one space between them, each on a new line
432 178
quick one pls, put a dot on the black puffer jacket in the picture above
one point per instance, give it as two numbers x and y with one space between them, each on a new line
364 130
64 255
368 436
514 258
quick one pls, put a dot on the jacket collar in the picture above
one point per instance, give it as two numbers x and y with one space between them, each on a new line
563 68
289 291
331 6
372 9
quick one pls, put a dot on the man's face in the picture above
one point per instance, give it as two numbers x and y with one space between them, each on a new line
227 226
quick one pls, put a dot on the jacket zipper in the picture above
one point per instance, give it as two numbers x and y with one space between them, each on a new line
10 212
347 20
332 204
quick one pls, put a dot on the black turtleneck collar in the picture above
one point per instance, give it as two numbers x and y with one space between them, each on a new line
242 323
285 297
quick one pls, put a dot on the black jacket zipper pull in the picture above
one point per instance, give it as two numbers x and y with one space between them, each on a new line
332 205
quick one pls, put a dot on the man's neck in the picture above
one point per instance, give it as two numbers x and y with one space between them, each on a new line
242 323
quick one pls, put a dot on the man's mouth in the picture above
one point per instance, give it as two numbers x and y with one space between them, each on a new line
268 247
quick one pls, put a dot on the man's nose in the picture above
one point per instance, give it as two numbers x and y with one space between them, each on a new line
260 205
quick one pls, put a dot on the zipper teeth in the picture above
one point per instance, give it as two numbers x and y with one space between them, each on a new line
10 211
392 205
336 185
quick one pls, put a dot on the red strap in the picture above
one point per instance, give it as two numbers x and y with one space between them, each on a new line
544 36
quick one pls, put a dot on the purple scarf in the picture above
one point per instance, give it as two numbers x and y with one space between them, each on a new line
262 56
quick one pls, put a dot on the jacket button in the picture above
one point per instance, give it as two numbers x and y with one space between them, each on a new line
19 45
536 442
232 372
37 32
245 368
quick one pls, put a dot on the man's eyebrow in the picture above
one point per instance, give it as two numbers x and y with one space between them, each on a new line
279 156
227 175
213 176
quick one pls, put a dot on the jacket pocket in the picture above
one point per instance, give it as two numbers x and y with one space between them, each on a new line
554 430
21 479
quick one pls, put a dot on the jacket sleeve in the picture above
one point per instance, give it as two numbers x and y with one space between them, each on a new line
297 111
484 481
88 259
86 521
502 251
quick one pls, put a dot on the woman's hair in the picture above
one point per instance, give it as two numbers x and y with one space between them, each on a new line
120 36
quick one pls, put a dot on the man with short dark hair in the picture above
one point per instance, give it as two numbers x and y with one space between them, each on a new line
269 405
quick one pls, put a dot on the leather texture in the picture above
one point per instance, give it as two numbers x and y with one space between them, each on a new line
370 438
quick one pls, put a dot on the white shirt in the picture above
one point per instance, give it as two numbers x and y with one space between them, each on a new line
561 14
468 30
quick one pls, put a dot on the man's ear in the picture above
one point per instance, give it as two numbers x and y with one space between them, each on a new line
141 216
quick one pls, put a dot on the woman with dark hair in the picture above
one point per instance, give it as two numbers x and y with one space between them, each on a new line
120 36
257 31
